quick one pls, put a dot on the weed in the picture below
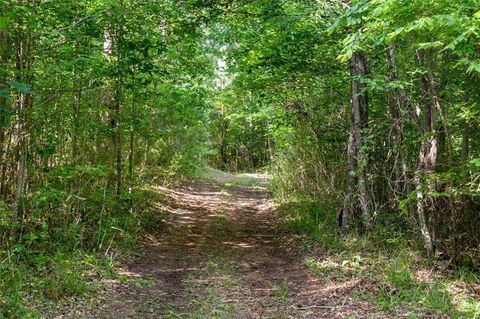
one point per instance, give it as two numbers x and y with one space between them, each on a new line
312 218
280 293
389 263
470 307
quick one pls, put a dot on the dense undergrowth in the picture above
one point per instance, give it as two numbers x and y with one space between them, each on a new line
72 242
365 113
385 267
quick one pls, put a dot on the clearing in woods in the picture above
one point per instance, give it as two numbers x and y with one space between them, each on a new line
222 256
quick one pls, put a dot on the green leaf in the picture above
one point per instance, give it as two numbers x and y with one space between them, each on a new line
4 21
475 162
20 87
4 94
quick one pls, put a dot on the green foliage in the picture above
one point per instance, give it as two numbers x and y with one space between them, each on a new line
92 103
400 288
48 278
312 218
285 104
280 293
95 107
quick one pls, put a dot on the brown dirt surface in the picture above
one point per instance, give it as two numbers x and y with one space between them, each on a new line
222 256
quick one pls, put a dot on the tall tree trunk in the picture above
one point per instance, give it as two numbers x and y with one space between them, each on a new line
75 125
77 97
4 60
357 202
23 103
465 145
112 44
118 102
428 152
400 104
465 154
118 139
359 104
350 209
132 138
223 146
397 136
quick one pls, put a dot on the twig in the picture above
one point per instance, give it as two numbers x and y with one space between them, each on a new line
314 306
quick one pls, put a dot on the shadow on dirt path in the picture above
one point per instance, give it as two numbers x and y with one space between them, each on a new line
221 257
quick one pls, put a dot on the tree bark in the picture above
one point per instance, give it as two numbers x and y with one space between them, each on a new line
4 60
23 103
397 136
428 152
359 122
357 202
77 97
132 139
118 102
112 45
223 146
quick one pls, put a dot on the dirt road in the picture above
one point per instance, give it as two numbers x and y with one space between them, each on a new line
221 256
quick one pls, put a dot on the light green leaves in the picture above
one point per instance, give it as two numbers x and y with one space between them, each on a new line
4 22
475 162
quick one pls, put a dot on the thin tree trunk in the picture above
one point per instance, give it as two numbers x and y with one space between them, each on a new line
118 98
356 205
23 103
118 141
75 126
223 154
428 154
359 122
395 103
6 151
465 154
223 133
115 103
465 145
350 207
4 60
76 99
130 156
400 104
132 139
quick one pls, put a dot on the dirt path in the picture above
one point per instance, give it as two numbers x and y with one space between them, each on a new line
221 257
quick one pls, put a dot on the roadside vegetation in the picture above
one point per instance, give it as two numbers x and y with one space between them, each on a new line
385 267
360 117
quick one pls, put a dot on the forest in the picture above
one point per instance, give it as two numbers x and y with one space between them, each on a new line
239 159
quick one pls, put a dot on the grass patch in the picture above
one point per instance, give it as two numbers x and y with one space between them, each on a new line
228 179
383 268
281 292
313 219
210 290
401 288
32 291
62 253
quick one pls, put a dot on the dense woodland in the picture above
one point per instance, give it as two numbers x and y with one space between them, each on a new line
368 108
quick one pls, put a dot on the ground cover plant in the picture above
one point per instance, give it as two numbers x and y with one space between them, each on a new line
312 159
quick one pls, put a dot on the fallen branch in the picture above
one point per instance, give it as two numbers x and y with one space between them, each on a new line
314 306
